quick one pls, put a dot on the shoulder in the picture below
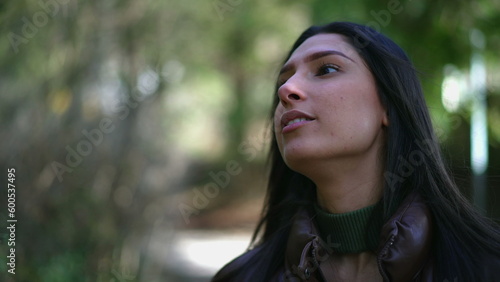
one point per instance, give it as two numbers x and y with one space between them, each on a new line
405 245
413 213
411 224
491 267
231 270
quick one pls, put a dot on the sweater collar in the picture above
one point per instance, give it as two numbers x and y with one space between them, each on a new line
353 232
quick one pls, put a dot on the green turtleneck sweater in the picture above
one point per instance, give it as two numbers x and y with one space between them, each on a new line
353 232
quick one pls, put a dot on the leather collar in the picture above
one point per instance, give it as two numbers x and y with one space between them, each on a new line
404 248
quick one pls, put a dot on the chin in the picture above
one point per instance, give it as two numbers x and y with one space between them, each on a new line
297 161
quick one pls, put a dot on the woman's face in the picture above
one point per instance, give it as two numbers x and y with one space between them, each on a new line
329 108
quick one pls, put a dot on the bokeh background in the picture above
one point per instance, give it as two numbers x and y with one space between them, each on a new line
139 129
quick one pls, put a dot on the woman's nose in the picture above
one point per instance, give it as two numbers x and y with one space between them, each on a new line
290 92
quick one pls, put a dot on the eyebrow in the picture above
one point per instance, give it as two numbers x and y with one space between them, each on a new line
315 56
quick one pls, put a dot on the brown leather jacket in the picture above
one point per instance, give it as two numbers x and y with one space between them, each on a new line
404 252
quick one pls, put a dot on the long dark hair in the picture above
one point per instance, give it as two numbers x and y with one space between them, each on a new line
413 163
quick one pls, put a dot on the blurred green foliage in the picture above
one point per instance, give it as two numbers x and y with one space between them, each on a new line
112 111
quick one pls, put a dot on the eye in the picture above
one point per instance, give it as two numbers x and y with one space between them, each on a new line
326 69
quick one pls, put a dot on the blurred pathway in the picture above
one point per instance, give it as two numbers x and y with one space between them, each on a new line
196 255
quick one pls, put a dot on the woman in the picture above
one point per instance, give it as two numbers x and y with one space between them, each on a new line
358 190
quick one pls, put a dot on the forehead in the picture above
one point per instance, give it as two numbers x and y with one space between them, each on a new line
321 42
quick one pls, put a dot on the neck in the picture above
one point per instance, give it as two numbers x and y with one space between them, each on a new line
355 184
357 267
358 261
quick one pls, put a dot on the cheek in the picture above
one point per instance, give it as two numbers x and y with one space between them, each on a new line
276 120
277 125
366 118
352 114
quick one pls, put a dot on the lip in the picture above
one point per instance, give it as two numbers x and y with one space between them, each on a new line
291 115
